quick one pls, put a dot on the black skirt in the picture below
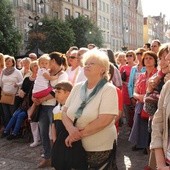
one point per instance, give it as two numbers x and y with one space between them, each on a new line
67 158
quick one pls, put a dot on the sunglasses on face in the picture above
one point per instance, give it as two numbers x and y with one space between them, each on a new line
129 55
138 53
72 57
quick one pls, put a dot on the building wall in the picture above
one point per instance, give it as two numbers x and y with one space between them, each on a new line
154 28
116 25
121 21
104 20
139 41
145 31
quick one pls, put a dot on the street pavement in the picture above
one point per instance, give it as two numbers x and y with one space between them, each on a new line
126 158
17 155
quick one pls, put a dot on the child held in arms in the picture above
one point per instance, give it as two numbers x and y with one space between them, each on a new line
41 86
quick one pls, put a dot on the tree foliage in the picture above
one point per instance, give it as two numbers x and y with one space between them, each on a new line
85 31
53 35
10 38
57 35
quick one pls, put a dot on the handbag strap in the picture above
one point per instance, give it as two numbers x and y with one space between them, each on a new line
75 121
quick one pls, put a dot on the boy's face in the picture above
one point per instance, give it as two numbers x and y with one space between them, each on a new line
61 95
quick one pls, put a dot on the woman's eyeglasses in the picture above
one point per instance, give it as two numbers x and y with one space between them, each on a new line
138 53
72 57
89 64
129 55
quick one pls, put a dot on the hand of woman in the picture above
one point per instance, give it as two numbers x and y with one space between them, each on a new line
150 85
43 99
140 97
21 93
15 85
74 134
69 141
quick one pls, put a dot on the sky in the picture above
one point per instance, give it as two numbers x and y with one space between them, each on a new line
154 7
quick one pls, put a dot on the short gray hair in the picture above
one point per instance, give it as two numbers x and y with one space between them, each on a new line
101 58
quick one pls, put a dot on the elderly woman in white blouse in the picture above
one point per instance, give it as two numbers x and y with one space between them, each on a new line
96 118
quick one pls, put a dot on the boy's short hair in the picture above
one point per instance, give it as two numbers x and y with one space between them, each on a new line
64 85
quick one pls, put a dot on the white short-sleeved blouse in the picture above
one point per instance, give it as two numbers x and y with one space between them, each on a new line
105 102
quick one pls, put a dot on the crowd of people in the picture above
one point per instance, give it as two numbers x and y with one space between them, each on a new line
88 93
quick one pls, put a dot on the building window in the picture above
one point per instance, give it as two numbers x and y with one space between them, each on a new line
107 8
100 21
104 22
67 0
26 4
55 14
15 2
67 13
77 2
103 6
100 5
86 4
107 24
41 10
77 14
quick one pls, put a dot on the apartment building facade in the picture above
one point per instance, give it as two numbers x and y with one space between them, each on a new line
121 21
154 28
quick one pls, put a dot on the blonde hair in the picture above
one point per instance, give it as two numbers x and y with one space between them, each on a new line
33 63
2 61
101 58
26 60
120 54
44 57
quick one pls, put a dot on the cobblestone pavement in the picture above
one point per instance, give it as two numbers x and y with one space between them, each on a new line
17 155
126 158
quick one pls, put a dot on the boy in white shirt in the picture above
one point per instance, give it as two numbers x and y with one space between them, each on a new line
63 90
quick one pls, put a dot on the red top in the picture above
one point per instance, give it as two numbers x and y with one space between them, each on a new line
141 83
125 94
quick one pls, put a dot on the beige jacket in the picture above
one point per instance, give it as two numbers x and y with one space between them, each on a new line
159 138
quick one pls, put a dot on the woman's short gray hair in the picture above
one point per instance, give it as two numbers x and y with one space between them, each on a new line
101 58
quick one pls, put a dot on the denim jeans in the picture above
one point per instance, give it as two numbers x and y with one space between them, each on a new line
7 113
2 121
16 121
45 120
